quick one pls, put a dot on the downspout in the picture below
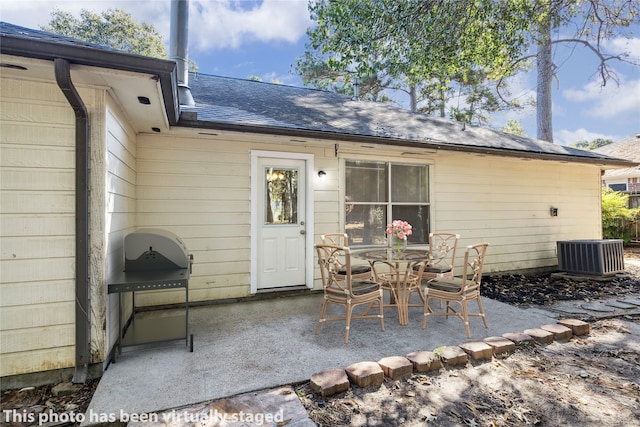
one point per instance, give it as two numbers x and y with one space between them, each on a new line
63 78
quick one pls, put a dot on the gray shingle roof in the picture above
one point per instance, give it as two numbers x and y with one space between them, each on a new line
628 148
29 33
278 109
229 101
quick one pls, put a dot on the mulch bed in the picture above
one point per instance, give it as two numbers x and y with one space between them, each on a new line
547 289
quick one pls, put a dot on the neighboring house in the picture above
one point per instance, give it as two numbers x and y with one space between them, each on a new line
95 145
626 180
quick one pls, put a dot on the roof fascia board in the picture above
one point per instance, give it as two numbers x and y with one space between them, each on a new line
433 145
164 69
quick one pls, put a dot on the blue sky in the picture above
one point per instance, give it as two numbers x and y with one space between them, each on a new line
245 38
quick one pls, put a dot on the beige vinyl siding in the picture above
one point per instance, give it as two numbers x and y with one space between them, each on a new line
327 195
198 188
120 206
36 227
506 202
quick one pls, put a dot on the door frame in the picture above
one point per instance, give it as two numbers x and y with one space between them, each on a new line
256 180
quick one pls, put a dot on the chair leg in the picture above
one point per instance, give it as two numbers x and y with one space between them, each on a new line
419 293
366 311
348 320
447 309
484 318
322 313
381 314
425 310
465 317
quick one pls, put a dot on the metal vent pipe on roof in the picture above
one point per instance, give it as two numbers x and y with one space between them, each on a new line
178 41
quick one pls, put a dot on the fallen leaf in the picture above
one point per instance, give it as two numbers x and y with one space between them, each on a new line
471 406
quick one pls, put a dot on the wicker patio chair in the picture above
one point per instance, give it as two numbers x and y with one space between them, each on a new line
459 290
442 248
358 271
442 256
342 289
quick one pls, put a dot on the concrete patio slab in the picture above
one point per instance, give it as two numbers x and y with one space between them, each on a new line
259 345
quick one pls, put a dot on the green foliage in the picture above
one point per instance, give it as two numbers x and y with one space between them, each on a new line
417 39
114 28
315 71
596 143
255 78
432 50
427 48
514 127
616 216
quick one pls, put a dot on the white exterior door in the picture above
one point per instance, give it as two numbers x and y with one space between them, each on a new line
280 218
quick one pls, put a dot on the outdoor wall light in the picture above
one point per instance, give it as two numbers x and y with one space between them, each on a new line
553 211
322 175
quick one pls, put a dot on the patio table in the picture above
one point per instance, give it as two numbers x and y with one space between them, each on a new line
400 277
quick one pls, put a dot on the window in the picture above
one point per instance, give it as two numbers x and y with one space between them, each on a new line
281 196
618 187
379 192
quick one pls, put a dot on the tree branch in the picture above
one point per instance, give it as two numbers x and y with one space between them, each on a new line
606 73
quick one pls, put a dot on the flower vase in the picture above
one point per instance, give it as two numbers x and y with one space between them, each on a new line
398 245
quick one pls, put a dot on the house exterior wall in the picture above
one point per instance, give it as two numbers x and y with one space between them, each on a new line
507 201
120 206
197 186
37 129
37 226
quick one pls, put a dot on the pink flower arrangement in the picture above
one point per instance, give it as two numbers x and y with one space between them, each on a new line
400 229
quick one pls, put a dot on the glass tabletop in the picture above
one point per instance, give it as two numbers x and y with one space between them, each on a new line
390 254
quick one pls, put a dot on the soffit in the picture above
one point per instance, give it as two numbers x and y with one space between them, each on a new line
124 86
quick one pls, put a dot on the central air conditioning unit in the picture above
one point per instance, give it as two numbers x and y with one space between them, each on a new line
591 257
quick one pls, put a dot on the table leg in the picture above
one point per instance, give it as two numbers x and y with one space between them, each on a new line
403 304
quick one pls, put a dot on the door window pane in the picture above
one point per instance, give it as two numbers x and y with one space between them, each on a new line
281 204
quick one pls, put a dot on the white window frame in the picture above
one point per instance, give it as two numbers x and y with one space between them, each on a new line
396 162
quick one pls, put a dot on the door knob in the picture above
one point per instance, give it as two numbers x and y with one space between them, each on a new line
303 232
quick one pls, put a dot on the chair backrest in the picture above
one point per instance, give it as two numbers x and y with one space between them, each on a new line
338 239
473 264
335 268
442 248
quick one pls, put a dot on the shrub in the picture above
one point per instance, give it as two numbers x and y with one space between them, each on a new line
617 218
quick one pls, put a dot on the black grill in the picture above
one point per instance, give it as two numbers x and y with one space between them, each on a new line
154 259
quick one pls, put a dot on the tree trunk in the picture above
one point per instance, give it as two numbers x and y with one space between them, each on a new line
414 99
543 92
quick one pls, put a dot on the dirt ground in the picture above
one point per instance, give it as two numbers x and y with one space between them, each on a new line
588 381
592 380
